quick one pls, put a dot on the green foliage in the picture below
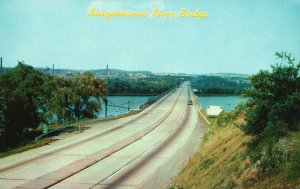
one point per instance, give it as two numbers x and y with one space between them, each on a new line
87 91
205 164
272 157
20 89
29 97
74 97
293 166
226 118
230 184
2 128
274 99
150 87
273 110
220 85
27 145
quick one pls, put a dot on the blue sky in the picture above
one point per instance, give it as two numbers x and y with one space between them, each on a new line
237 36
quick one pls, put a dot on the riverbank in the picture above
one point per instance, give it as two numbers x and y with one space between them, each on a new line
226 102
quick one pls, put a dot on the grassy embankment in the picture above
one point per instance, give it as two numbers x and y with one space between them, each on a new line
223 162
26 146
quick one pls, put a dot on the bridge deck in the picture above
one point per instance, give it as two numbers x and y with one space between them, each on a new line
140 151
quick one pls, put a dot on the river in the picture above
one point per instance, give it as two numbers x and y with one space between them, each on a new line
227 102
122 101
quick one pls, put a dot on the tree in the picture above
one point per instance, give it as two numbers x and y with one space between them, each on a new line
56 101
274 99
2 128
74 97
20 88
273 108
88 91
29 97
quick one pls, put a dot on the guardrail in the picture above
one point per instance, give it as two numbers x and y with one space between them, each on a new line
150 101
52 131
200 108
153 99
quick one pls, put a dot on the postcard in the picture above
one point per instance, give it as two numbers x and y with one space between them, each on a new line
149 94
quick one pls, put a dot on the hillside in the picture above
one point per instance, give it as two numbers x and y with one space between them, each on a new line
222 161
220 84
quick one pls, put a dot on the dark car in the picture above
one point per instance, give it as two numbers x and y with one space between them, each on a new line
190 102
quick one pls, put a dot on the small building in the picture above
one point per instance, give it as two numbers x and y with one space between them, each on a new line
213 111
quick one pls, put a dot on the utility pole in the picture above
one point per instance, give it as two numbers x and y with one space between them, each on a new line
1 71
53 69
106 102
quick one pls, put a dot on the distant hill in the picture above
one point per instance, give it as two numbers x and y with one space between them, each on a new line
227 75
103 71
116 72
220 85
113 73
211 83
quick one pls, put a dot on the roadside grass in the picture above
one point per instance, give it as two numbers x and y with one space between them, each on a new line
292 168
221 155
26 146
89 121
201 118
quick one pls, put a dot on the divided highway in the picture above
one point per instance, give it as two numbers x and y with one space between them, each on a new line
141 151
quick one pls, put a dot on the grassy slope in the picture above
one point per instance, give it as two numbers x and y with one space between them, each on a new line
25 147
221 162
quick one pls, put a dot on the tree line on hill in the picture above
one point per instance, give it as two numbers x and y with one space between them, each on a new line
139 87
219 85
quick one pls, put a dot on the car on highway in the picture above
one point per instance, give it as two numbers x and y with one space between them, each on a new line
190 102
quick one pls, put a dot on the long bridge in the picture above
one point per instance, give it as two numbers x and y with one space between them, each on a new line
145 150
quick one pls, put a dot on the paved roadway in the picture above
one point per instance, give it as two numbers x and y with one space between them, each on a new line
141 151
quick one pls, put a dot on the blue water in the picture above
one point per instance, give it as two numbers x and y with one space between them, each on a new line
227 102
134 102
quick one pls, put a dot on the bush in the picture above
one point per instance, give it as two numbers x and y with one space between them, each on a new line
293 166
228 117
272 111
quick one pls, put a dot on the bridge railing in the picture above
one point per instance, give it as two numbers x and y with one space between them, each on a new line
153 99
200 108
